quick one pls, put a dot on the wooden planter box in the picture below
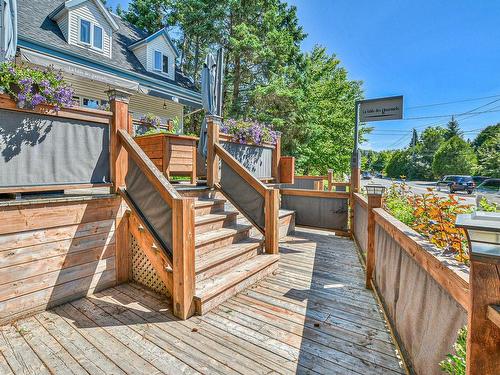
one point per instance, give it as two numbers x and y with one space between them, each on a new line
174 155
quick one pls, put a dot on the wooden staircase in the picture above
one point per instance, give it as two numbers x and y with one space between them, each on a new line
229 255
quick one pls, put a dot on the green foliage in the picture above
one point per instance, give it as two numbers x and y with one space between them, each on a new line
398 164
455 364
307 97
488 152
453 129
455 156
414 138
485 134
484 205
396 202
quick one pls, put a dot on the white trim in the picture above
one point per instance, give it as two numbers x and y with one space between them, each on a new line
91 36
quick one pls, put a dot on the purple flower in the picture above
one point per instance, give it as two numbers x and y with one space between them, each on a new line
37 100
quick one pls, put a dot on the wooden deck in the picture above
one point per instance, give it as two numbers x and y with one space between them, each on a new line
313 316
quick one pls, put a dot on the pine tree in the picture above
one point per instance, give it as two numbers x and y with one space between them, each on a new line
453 129
414 138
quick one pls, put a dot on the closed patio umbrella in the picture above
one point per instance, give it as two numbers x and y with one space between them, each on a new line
211 93
8 32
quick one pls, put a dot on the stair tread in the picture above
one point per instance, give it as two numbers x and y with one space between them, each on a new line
227 252
213 286
208 218
206 202
220 233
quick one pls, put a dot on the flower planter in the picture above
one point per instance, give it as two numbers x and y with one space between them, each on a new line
174 155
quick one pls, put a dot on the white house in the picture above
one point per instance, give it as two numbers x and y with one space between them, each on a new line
97 50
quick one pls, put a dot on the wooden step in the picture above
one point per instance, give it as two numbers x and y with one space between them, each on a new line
212 240
207 206
211 222
213 291
224 258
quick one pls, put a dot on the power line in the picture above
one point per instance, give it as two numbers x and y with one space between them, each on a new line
453 102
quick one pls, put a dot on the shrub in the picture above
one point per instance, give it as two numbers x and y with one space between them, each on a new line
249 131
455 156
455 364
30 87
431 216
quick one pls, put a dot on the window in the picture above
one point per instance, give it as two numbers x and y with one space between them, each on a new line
90 103
158 60
97 39
85 31
91 34
165 64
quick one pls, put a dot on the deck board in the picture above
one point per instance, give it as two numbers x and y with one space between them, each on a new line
312 316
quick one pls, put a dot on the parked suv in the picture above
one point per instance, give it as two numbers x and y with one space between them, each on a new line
455 183
490 190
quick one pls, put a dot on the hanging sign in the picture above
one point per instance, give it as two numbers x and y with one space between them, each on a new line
381 109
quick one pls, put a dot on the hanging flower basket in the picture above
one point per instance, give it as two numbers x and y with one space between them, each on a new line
30 87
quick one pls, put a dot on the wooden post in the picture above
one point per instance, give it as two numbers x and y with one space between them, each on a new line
319 185
271 214
354 186
374 201
121 119
212 158
483 336
118 156
183 257
287 170
330 180
275 170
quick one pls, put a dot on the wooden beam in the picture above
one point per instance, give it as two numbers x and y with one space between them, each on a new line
212 159
272 221
424 253
147 244
236 166
276 156
122 245
330 180
153 174
118 156
374 201
184 257
361 199
25 189
287 170
315 193
483 334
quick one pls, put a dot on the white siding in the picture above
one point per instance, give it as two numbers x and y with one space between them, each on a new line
62 22
142 55
89 11
160 44
140 104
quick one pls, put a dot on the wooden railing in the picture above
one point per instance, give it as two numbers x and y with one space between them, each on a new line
173 260
270 197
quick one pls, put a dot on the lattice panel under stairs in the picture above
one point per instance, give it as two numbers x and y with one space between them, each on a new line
142 270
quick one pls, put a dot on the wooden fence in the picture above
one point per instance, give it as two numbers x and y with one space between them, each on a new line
426 295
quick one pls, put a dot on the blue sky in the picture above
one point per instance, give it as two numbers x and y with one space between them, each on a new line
431 52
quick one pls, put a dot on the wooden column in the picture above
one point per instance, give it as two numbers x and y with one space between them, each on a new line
119 101
121 119
287 170
374 201
183 257
272 221
483 336
330 180
275 170
212 158
354 185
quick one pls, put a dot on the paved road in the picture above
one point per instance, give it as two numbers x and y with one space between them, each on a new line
420 187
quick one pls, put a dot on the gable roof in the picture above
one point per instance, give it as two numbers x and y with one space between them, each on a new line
36 28
151 37
70 4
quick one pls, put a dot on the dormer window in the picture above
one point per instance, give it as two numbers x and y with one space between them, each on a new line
91 34
160 62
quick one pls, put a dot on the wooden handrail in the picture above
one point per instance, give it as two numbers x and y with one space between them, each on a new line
155 177
240 170
494 314
315 193
362 200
